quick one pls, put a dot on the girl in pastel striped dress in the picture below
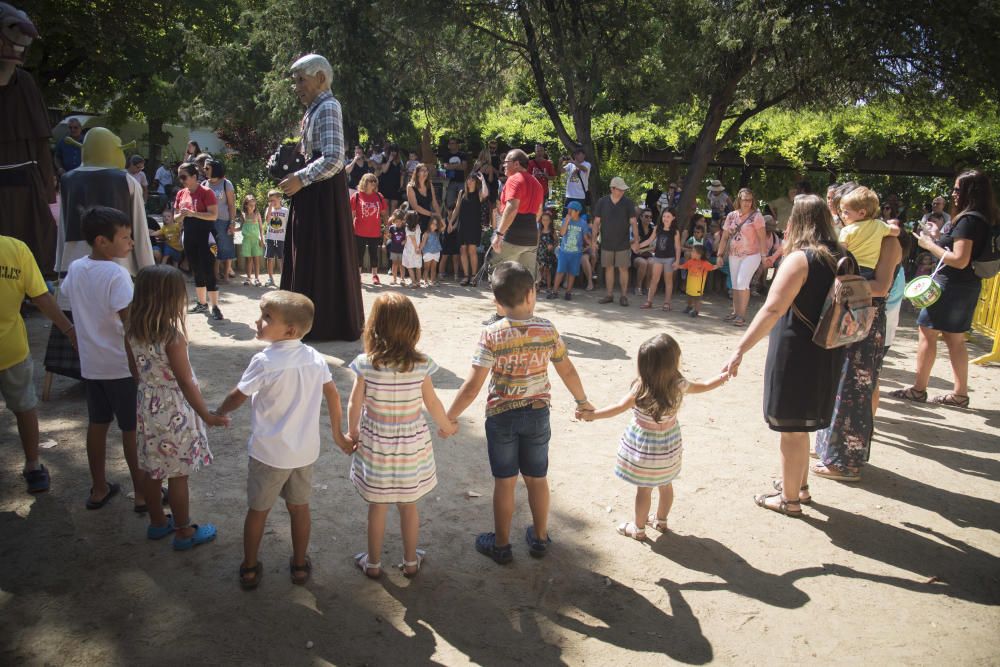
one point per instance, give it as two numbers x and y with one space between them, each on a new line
394 459
649 452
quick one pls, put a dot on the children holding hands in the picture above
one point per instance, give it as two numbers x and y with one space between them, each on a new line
514 352
172 415
286 383
393 462
649 452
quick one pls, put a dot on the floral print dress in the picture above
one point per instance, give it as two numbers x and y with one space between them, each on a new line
171 437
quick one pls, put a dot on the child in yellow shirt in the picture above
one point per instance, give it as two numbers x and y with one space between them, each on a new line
698 269
862 234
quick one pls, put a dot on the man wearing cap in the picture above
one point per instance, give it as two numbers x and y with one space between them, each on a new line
616 225
719 201
577 177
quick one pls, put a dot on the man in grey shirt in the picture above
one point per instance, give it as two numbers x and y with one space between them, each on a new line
615 223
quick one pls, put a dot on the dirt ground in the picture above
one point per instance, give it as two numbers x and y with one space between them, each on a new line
901 569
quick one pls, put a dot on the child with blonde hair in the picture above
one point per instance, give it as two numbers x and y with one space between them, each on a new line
649 452
286 383
172 414
252 248
862 232
394 458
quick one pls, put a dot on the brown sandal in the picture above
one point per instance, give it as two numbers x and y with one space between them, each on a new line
951 400
782 507
257 571
804 489
300 573
910 394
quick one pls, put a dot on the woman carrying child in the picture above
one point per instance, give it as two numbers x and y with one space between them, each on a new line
649 453
172 414
394 459
252 249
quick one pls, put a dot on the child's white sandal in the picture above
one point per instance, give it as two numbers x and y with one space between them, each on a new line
361 560
656 524
629 529
413 563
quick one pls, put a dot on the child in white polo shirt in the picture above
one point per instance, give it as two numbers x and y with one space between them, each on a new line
286 383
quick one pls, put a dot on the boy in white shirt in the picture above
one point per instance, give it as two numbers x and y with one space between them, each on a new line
100 291
274 240
285 383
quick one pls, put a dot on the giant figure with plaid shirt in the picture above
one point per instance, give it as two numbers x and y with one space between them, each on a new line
320 260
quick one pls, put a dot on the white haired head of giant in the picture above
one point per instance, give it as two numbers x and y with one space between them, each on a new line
313 64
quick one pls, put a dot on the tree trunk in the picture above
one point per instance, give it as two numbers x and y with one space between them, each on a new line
157 140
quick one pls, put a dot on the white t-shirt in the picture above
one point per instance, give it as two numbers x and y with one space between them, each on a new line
276 223
140 178
285 382
165 178
97 290
574 189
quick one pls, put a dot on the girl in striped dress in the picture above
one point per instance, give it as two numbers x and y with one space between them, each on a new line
394 460
649 452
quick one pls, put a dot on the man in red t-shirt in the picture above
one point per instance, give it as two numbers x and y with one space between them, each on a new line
368 208
542 169
521 201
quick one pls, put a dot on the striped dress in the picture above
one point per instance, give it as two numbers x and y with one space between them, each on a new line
649 453
394 461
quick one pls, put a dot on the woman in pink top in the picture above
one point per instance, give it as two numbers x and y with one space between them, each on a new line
743 240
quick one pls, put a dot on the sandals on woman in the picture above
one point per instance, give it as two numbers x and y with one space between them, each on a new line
910 394
646 306
738 322
657 524
783 506
804 489
839 473
951 400
629 529
361 560
410 574
729 318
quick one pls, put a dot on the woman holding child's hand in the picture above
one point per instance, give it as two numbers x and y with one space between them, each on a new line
800 377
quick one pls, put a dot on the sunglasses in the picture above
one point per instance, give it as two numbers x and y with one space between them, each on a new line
183 177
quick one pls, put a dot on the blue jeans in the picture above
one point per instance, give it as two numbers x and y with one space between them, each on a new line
518 440
223 241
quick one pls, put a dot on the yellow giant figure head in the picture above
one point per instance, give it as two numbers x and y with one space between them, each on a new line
102 148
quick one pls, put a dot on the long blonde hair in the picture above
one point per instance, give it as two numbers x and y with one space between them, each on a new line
810 227
156 315
391 333
660 386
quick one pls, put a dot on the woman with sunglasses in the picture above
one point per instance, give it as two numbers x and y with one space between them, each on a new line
197 209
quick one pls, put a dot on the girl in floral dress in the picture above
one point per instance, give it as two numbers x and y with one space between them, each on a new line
171 411
546 252
394 460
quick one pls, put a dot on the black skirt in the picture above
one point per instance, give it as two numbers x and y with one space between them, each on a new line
321 261
953 311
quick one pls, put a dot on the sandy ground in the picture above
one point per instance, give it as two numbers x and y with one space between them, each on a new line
901 569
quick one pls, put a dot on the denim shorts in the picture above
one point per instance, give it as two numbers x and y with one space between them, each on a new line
518 440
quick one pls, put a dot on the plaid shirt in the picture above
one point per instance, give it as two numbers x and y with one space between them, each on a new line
323 133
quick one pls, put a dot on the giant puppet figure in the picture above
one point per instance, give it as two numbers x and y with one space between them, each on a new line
27 176
100 181
320 258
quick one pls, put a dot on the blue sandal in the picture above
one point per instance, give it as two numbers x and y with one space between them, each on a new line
202 535
159 532
486 544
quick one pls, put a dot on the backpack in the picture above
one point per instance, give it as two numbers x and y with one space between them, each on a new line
987 264
847 313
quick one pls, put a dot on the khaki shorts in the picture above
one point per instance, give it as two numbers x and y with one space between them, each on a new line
619 259
17 386
526 255
265 483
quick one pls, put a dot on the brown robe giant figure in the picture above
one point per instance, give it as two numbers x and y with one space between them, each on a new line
320 258
27 175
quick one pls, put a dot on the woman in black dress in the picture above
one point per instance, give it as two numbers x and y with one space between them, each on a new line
421 197
975 221
466 223
390 178
800 378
